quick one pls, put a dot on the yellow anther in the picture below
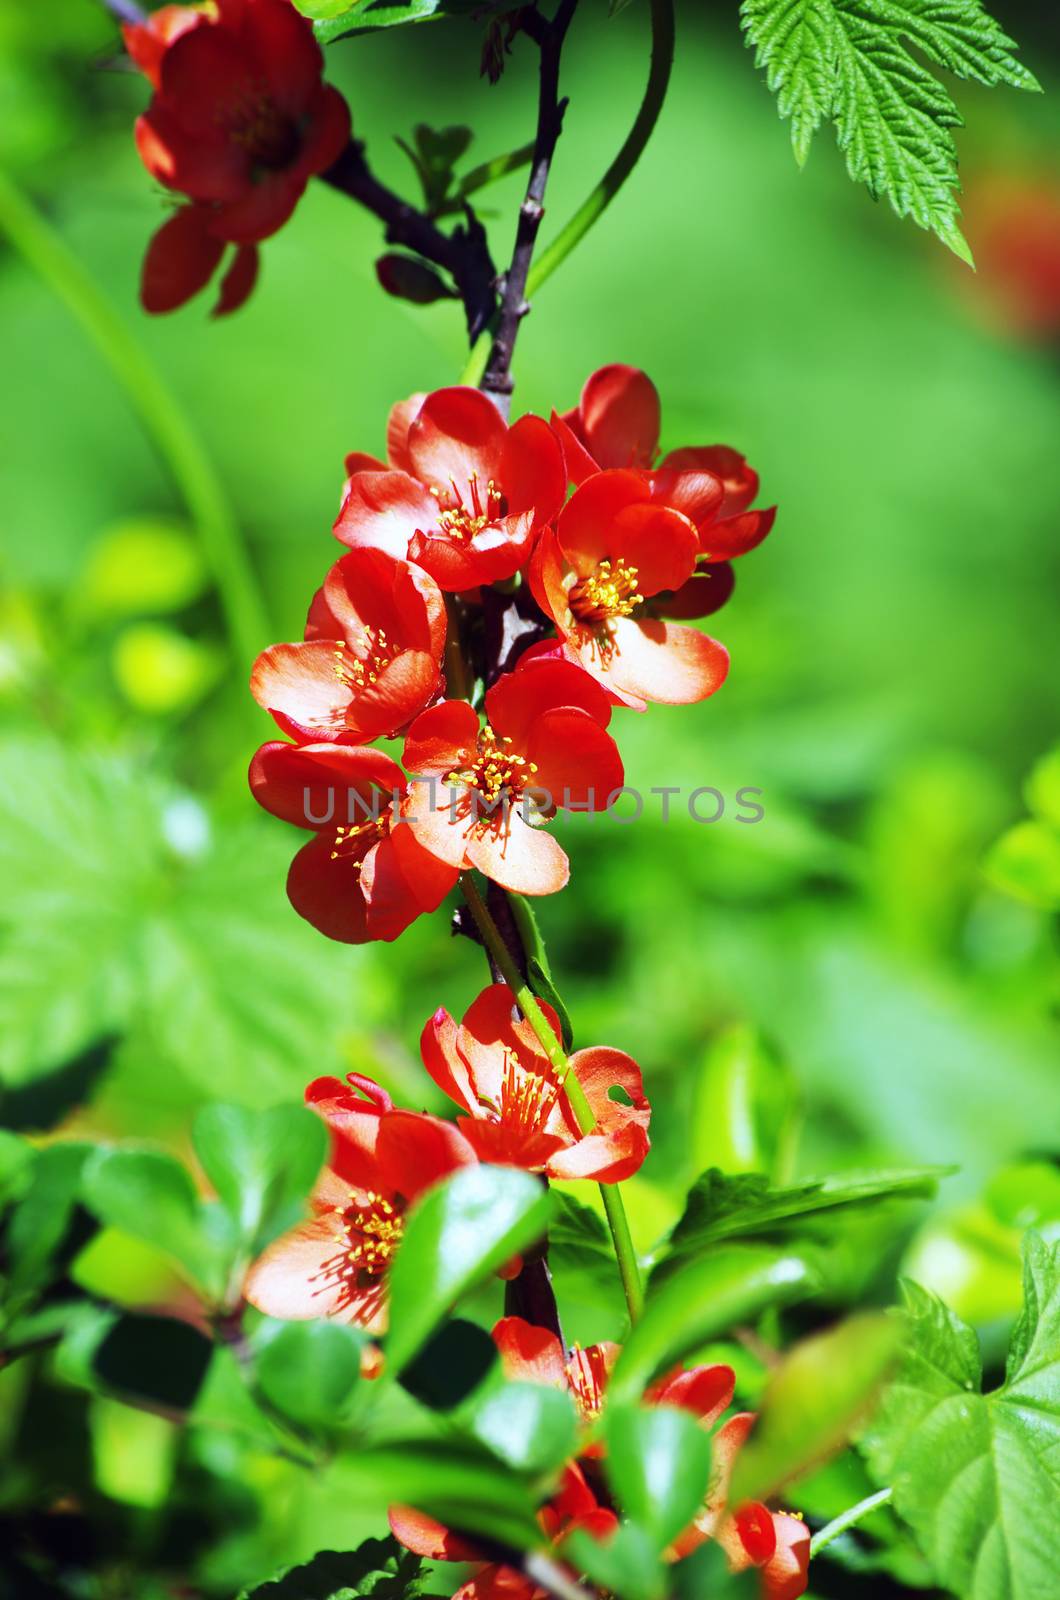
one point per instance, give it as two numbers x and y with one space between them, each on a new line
609 592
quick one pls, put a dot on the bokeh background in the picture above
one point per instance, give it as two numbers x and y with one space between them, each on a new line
894 659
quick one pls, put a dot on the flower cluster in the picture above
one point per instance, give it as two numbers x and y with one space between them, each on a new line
493 621
751 1535
240 120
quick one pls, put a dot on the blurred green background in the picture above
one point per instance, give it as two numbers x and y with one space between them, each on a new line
894 659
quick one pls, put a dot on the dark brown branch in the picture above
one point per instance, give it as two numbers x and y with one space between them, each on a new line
549 36
464 254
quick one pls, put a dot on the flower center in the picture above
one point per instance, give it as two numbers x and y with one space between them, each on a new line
260 127
587 1379
526 1098
611 591
496 772
371 1231
461 519
353 843
359 670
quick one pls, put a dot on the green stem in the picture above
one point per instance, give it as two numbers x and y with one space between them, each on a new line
159 411
528 1004
487 172
591 209
847 1519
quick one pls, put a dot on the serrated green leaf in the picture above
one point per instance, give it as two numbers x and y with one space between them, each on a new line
261 1163
850 61
380 1568
820 1390
719 1206
977 1477
458 1233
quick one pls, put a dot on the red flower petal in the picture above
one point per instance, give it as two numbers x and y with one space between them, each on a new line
148 41
444 1062
529 1354
784 1576
523 859
704 1391
402 415
457 432
740 480
442 739
706 591
282 44
620 416
324 888
327 134
181 259
263 209
424 1536
384 510
577 761
734 536
292 1281
518 698
324 785
757 1534
577 461
584 530
660 543
202 169
697 495
663 662
531 473
238 282
417 1151
400 880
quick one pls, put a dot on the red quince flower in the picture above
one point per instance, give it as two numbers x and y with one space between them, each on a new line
369 662
517 1114
469 495
381 1160
616 424
240 121
613 548
485 790
364 875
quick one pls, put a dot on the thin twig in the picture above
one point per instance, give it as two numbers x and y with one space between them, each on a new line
464 254
497 378
848 1519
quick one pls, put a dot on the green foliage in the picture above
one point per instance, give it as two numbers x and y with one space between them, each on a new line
141 566
626 1564
335 19
41 1232
977 1476
1025 861
148 1360
658 1464
122 899
150 1195
719 1206
309 1371
745 1105
850 61
702 1298
262 1164
528 1426
812 1401
379 1568
539 971
458 1233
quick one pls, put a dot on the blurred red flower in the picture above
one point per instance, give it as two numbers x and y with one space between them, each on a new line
465 494
362 877
240 121
370 660
516 1112
486 789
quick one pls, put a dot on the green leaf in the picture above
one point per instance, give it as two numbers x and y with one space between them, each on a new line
744 1105
157 1361
626 1564
1025 862
364 16
812 1401
977 1476
456 1235
718 1206
262 1164
457 1358
309 1371
151 1196
700 1300
16 1160
1042 789
526 1425
578 1240
849 61
41 1228
658 1464
538 970
380 1568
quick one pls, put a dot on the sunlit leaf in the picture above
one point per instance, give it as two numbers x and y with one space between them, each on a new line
658 1464
262 1164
